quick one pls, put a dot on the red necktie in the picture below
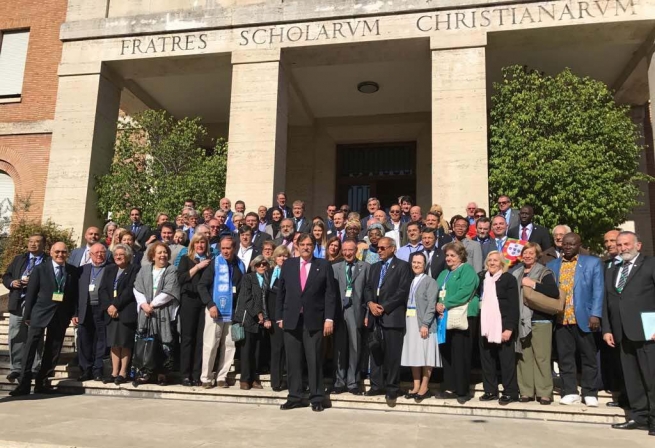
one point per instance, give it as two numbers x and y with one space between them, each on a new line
524 233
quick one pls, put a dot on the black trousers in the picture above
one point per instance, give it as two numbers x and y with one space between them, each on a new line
92 340
638 361
249 355
392 342
456 356
278 358
192 324
54 341
490 355
611 374
297 342
571 340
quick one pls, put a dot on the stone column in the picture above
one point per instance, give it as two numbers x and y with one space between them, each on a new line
82 148
459 123
257 147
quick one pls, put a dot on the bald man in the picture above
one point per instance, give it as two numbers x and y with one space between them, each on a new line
49 303
82 255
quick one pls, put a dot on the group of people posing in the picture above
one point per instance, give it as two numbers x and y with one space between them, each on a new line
393 288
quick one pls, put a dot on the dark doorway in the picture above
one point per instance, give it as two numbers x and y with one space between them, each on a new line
381 170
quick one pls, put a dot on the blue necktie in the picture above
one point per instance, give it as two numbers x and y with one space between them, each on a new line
383 272
59 274
499 244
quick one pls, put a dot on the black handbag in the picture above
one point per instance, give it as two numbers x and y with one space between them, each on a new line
146 350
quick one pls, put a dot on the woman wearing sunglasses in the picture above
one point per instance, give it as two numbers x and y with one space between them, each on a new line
251 313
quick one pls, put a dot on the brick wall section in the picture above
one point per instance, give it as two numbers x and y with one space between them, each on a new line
25 157
28 173
43 18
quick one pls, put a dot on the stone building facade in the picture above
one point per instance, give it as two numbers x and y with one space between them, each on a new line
333 100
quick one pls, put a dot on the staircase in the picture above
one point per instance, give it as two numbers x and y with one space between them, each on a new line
66 374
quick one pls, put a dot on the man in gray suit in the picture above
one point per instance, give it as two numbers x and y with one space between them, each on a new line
82 255
351 276
510 214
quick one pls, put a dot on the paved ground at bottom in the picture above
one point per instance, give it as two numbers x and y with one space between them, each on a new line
85 421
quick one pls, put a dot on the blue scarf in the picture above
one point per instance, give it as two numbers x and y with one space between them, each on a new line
222 293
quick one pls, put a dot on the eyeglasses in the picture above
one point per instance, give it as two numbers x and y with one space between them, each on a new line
383 247
394 211
260 264
61 252
479 216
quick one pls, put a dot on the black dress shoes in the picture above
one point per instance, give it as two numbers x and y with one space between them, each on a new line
410 395
339 390
292 405
420 397
187 382
630 424
86 376
391 397
13 376
489 397
20 391
506 399
317 407
374 392
355 391
651 430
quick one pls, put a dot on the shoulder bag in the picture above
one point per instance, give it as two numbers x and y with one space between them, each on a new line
458 316
541 302
237 331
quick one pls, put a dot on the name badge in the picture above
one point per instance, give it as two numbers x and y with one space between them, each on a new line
234 290
92 287
378 291
411 312
442 294
349 293
58 297
115 293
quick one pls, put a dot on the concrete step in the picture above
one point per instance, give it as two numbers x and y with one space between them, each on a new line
555 412
69 341
4 331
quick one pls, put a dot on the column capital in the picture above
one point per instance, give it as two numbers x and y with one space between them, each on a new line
458 40
256 56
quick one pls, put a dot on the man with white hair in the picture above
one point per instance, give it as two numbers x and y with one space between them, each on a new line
629 296
555 252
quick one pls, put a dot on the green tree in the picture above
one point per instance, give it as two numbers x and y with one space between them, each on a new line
14 242
562 144
158 163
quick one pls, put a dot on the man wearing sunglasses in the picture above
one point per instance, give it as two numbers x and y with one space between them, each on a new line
510 214
49 304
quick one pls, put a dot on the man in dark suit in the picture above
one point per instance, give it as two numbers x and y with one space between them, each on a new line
15 280
49 303
301 224
528 231
281 204
505 210
386 298
499 228
329 218
372 205
436 260
351 276
246 250
258 237
89 316
140 230
306 305
629 292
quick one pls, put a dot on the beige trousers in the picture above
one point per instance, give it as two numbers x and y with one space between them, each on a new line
216 339
534 366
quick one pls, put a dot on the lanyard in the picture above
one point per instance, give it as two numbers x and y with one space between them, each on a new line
443 287
60 283
412 291
349 278
30 266
95 275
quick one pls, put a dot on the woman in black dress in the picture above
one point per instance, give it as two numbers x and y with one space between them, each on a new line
192 310
121 315
275 333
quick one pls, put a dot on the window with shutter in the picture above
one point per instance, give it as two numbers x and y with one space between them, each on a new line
7 192
13 54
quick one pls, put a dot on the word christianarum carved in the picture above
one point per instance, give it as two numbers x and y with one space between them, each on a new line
519 15
295 33
145 45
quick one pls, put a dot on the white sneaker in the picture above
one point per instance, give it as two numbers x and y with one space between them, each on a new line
571 399
592 402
